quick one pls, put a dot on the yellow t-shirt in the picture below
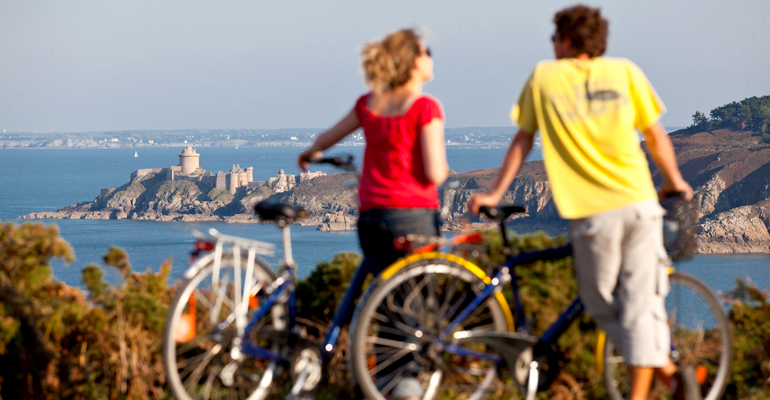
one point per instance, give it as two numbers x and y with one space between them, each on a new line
586 111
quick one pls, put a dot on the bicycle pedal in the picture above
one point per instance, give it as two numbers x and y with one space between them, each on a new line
532 381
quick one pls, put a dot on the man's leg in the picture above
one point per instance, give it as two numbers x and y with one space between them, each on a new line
642 289
641 379
596 249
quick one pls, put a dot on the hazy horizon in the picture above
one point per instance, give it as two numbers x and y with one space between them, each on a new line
90 66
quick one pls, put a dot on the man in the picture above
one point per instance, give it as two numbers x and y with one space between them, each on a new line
587 109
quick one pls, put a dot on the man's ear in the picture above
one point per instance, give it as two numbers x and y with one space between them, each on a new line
568 45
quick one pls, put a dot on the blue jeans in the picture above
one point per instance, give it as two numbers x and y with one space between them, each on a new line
376 231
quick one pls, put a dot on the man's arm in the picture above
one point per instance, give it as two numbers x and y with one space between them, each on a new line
662 151
517 153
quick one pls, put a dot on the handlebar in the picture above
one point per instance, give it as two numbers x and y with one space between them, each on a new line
501 213
343 162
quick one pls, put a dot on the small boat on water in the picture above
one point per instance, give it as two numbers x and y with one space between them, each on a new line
136 154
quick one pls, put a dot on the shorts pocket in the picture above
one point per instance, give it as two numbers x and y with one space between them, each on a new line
662 332
662 286
585 228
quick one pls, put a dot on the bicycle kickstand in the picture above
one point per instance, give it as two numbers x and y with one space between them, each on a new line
532 381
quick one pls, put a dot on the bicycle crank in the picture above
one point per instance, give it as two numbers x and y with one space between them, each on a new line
306 370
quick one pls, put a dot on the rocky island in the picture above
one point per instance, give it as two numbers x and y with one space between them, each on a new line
183 192
728 167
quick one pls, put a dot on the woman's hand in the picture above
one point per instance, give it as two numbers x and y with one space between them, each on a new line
482 199
306 157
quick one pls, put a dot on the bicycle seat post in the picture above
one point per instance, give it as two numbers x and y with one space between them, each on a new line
286 238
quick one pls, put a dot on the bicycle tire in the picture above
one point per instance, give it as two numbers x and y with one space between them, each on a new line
455 282
193 367
701 337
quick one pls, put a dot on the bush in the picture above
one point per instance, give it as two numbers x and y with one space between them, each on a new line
60 342
750 320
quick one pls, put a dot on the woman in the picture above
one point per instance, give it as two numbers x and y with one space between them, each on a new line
404 158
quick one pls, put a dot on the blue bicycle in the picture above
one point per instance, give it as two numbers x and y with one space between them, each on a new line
440 320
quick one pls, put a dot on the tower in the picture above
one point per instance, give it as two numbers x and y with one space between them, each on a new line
189 160
249 174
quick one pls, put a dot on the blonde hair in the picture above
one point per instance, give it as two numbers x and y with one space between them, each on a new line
388 63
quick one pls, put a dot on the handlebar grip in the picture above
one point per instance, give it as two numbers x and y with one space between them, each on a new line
489 212
673 195
343 162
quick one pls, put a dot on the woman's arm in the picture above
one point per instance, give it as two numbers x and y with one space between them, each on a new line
434 151
329 138
517 153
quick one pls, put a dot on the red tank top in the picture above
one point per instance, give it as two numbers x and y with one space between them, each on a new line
393 173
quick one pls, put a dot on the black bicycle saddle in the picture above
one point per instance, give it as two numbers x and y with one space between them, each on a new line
270 211
501 213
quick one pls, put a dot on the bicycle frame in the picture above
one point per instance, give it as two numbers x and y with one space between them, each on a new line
507 274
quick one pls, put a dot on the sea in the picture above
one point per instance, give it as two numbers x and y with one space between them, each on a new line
34 180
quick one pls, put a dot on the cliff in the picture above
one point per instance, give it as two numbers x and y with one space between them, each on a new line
730 172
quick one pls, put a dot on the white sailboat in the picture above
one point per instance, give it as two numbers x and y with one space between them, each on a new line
136 154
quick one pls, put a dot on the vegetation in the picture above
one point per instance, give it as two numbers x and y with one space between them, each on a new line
751 114
223 196
104 342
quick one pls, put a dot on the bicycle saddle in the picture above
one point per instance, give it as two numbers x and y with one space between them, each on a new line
279 212
501 213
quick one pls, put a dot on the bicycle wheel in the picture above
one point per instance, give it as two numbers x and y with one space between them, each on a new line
200 332
700 337
397 329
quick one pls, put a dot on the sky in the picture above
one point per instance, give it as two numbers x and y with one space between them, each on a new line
76 66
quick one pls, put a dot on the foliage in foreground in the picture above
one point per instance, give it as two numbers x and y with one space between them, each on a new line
105 342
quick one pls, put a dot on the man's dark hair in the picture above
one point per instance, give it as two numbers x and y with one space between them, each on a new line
585 27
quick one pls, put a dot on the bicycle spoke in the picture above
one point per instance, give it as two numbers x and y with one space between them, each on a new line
209 383
400 325
391 382
449 304
390 343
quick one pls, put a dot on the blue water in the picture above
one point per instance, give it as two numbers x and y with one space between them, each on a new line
48 179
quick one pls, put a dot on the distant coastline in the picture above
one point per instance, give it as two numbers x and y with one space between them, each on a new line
470 137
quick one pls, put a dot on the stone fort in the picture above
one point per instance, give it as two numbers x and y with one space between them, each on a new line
238 178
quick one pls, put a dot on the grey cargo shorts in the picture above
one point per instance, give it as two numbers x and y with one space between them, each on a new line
622 275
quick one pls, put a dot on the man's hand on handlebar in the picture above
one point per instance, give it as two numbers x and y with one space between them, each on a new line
482 199
680 190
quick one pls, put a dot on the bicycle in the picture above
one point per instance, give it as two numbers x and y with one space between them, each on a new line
445 313
232 328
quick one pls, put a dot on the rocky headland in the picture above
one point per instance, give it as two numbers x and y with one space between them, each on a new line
729 170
